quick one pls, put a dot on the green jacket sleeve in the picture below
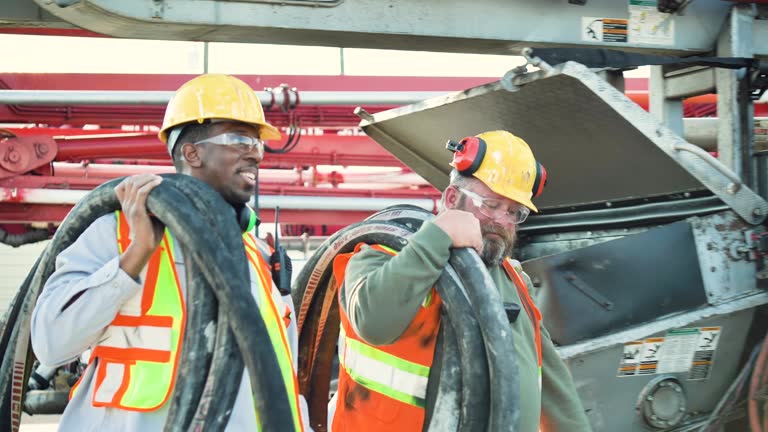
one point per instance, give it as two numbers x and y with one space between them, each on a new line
561 408
382 293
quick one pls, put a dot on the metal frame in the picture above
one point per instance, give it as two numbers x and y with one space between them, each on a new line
726 262
411 25
676 321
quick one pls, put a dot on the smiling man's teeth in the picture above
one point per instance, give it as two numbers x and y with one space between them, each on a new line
248 175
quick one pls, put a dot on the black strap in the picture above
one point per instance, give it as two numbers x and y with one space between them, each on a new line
606 58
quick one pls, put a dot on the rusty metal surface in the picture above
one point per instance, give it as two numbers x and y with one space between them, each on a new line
726 254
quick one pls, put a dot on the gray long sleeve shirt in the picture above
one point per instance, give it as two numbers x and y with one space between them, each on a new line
90 267
382 293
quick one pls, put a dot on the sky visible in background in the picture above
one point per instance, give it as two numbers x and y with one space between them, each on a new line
59 54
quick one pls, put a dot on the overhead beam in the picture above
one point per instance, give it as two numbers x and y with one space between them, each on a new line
481 26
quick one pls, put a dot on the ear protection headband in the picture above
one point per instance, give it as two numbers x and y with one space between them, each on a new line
468 155
540 181
247 219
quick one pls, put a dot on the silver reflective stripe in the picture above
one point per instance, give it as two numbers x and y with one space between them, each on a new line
146 337
111 384
383 373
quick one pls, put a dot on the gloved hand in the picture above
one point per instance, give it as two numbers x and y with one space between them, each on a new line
282 269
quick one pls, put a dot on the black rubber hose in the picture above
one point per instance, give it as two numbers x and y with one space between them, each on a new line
499 344
168 204
220 391
475 378
315 295
197 352
15 357
313 352
12 313
405 214
445 386
232 289
203 337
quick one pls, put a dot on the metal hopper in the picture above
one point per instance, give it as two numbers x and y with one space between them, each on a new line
648 258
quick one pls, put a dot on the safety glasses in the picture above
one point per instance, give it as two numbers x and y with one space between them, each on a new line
243 143
495 208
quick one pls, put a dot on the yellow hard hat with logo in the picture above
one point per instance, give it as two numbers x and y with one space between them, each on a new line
502 161
216 96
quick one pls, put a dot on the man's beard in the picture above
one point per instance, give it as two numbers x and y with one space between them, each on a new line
495 249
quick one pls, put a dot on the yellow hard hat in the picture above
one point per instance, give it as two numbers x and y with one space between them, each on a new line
216 96
502 161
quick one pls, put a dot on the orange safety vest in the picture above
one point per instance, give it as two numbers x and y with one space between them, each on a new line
384 387
139 355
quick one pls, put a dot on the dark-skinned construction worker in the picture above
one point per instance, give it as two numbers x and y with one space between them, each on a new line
390 311
119 290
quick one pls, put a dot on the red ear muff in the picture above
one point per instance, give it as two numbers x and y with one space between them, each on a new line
468 154
541 180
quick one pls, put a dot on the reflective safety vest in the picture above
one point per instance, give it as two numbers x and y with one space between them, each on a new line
138 353
385 387
530 308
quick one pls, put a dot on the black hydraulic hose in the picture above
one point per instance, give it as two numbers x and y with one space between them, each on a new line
207 334
10 315
232 289
445 386
476 382
500 348
15 365
9 319
216 261
314 294
314 359
197 352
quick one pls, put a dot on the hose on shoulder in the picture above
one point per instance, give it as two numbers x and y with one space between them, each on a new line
223 329
467 377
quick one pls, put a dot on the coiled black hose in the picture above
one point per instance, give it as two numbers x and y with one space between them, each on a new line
205 226
464 370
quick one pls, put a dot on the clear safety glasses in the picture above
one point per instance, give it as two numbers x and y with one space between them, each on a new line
495 208
243 143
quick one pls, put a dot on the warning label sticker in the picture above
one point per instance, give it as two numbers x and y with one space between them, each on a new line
649 26
649 357
687 350
679 347
630 359
705 353
603 29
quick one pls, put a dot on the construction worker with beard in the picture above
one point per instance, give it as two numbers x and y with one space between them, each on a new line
390 311
120 290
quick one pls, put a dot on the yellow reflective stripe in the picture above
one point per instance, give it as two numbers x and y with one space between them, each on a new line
388 249
150 381
540 375
276 330
382 372
427 301
387 358
387 391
